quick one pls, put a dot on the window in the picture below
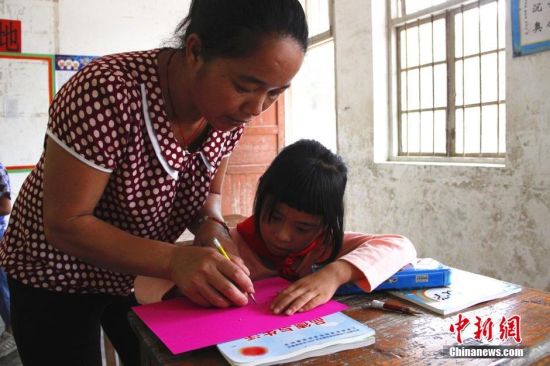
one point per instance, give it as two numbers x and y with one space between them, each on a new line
311 106
449 64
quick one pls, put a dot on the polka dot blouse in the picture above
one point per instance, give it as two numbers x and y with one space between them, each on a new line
111 116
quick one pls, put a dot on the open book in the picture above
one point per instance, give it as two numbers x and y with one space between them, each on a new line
466 289
317 337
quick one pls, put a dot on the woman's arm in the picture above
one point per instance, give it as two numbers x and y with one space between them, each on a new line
72 189
207 225
206 230
149 289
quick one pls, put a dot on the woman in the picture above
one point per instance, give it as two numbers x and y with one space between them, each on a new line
136 150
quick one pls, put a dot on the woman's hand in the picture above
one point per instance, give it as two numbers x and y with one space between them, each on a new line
314 289
207 230
207 278
210 229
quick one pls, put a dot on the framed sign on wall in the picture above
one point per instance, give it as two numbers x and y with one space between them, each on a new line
530 26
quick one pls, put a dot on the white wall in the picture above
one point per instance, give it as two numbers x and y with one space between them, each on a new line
38 23
493 221
309 104
101 27
76 27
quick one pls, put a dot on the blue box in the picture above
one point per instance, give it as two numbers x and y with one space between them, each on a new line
426 272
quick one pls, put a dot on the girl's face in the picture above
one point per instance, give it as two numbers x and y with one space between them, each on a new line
289 230
229 92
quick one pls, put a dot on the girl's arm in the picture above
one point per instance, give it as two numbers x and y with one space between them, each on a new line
377 257
370 258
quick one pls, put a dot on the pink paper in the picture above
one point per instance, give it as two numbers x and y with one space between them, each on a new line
183 326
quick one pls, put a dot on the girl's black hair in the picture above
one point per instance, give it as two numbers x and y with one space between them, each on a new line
310 178
234 28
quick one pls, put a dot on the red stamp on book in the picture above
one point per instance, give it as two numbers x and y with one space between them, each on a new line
10 35
507 328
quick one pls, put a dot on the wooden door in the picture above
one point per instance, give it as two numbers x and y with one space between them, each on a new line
263 138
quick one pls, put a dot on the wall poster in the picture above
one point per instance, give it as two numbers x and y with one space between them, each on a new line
530 26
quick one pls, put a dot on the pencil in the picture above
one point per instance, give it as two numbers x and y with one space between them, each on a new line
392 307
222 251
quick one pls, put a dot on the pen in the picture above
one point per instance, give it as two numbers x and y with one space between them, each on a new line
222 251
377 304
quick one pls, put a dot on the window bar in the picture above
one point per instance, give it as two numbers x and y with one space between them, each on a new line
498 81
480 79
331 17
396 8
463 85
399 93
419 88
433 88
407 88
450 132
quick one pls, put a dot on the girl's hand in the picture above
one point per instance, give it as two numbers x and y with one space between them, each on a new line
314 289
207 278
306 293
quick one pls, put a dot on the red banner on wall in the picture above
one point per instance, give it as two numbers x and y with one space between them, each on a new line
10 35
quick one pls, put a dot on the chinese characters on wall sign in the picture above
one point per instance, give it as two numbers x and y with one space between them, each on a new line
530 26
10 35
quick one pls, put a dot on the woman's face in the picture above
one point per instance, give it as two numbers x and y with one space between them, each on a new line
229 92
289 230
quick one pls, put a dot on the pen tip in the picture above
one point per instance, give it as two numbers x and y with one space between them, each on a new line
252 297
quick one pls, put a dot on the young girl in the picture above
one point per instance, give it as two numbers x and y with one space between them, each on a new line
298 225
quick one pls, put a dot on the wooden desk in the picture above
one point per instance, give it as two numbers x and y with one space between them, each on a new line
400 339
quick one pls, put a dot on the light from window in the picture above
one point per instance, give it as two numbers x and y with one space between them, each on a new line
311 104
318 16
450 65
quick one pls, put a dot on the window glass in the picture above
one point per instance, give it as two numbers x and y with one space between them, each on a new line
312 98
412 6
318 16
450 100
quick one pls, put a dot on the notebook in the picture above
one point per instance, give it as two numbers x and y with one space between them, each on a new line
316 337
466 289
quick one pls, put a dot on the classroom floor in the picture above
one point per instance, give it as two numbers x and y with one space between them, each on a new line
13 358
